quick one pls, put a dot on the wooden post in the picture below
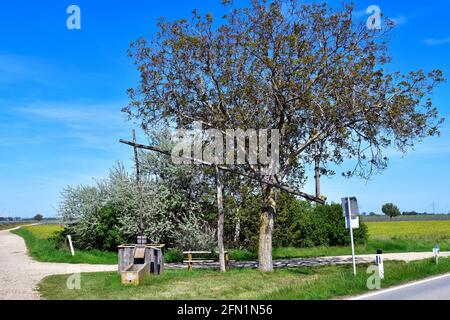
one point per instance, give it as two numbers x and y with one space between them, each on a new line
126 257
189 261
220 221
160 261
227 261
138 183
71 245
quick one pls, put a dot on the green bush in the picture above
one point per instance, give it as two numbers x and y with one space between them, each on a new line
108 235
173 256
300 224
103 235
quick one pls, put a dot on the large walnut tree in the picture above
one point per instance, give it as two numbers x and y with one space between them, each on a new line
308 70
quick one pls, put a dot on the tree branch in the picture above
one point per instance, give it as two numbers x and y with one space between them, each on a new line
288 189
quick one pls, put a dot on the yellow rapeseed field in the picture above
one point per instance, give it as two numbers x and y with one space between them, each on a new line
429 229
44 231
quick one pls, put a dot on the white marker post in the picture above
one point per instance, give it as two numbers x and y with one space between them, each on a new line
436 251
350 222
380 264
71 245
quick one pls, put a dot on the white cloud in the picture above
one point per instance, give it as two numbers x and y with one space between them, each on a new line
74 113
19 69
86 125
436 42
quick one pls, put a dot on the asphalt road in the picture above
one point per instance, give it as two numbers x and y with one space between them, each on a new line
437 288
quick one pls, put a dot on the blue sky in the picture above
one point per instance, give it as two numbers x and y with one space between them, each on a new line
61 93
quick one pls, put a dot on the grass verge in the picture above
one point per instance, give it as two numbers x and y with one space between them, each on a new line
42 248
305 283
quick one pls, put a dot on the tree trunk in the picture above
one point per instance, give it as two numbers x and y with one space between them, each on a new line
220 221
266 230
317 175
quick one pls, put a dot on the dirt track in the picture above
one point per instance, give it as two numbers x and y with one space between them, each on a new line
19 274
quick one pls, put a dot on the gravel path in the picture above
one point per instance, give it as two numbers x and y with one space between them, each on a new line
19 274
320 261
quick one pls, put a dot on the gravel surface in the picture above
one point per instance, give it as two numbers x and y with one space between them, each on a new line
19 274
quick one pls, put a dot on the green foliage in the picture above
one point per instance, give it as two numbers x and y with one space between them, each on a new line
299 224
108 233
173 256
391 210
104 235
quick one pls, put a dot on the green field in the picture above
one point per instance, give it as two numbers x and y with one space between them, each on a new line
243 284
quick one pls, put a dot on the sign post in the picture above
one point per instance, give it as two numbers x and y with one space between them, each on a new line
350 209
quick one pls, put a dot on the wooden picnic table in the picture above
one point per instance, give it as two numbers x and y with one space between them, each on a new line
191 260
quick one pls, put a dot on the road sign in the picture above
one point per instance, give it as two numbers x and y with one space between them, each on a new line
350 210
352 223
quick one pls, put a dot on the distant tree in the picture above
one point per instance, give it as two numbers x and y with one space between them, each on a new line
372 214
38 217
391 210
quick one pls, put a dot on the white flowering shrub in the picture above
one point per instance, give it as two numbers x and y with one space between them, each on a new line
169 215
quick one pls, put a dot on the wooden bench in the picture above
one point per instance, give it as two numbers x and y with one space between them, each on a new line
191 260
